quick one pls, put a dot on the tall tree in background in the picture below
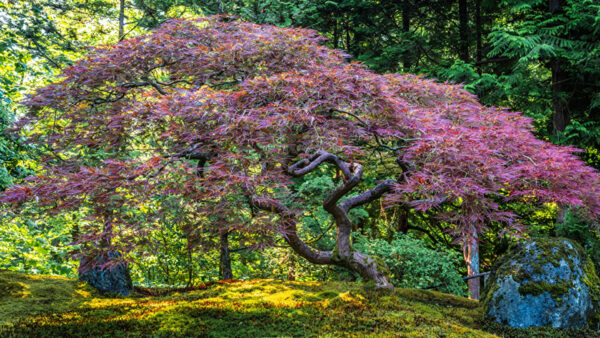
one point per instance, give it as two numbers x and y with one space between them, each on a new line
463 26
564 37
121 19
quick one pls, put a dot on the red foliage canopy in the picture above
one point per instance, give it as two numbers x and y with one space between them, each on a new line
259 105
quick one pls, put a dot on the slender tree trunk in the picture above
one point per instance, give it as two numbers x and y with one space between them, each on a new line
406 28
555 5
107 229
224 257
403 221
164 265
560 118
75 232
463 25
336 34
291 273
121 20
348 36
190 267
478 32
471 254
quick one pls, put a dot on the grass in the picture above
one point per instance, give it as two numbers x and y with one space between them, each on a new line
48 306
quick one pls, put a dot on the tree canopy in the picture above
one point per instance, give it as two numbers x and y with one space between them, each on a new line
226 115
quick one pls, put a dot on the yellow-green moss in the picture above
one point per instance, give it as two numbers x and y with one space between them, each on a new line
537 288
382 267
254 308
23 295
591 279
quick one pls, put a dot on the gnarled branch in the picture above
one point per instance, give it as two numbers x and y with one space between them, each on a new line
367 196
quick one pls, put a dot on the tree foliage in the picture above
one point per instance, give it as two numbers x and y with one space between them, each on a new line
227 116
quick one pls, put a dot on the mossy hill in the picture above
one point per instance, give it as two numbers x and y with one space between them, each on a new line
50 306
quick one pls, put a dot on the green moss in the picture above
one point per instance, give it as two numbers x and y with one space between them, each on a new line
591 280
489 290
537 288
327 294
335 255
23 295
381 266
554 251
253 308
538 331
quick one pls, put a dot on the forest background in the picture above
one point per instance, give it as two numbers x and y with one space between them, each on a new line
541 58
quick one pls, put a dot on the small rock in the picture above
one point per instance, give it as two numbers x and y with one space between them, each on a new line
114 279
544 282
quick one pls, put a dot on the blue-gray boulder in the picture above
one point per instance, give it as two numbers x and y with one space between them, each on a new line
543 282
112 279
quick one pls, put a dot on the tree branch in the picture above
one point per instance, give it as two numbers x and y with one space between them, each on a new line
305 166
156 86
367 196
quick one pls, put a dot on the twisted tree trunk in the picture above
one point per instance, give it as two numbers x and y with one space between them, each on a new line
343 254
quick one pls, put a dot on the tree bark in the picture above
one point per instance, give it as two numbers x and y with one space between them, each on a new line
478 32
347 24
406 28
560 118
336 37
190 267
121 20
403 225
471 255
224 257
343 254
107 229
463 23
291 273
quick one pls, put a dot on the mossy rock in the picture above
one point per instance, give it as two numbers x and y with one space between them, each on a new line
543 282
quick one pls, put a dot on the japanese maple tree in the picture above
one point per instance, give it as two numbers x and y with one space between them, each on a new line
224 113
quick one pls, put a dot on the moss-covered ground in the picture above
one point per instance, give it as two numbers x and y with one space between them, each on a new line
48 306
